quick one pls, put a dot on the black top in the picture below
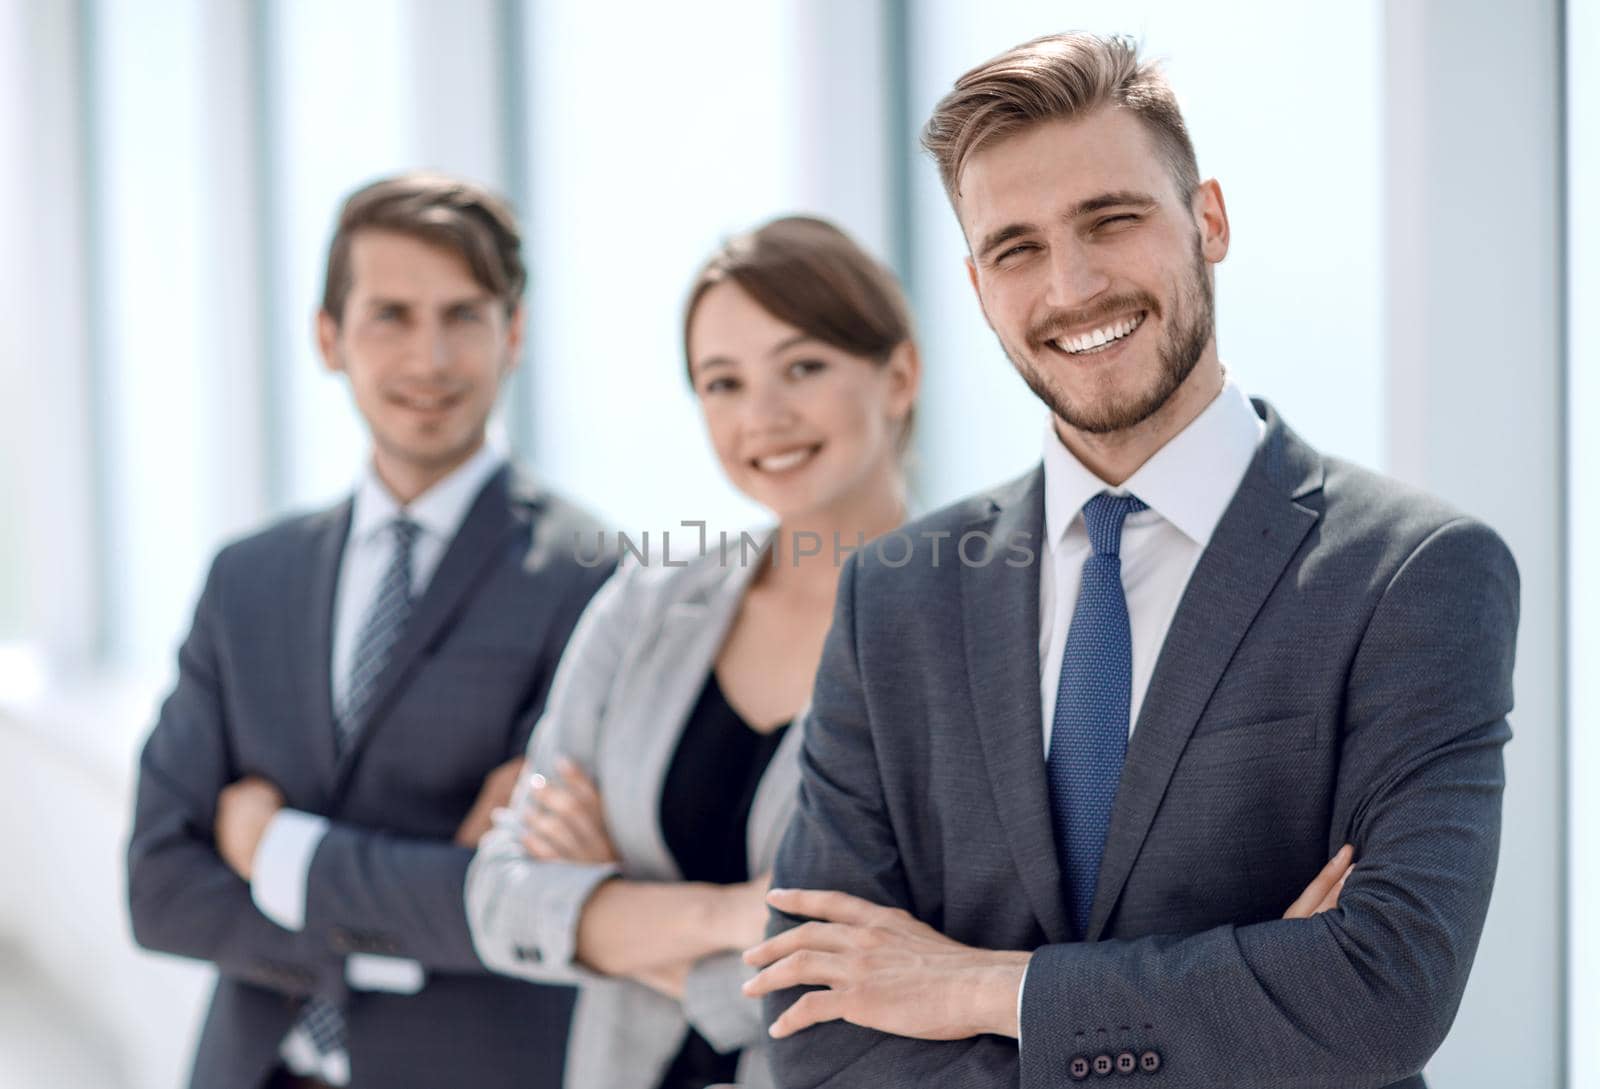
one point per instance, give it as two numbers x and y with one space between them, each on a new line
705 814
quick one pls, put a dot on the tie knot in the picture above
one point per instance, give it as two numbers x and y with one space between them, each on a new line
1102 517
405 533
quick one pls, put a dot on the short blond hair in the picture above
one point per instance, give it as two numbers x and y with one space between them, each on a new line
1056 77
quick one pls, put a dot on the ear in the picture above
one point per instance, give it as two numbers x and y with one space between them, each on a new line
327 333
514 329
1211 217
905 378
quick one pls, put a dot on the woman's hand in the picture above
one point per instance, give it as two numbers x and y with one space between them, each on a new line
565 821
1323 892
745 912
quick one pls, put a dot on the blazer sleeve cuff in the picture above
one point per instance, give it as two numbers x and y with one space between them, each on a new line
717 1008
282 866
522 913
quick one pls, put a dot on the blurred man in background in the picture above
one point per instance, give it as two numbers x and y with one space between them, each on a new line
356 688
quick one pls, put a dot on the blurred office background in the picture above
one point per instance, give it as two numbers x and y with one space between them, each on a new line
1405 180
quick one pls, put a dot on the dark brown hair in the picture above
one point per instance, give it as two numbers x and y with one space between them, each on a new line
809 274
451 213
1052 78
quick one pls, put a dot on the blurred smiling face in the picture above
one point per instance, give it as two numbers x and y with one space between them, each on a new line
1092 269
425 348
798 425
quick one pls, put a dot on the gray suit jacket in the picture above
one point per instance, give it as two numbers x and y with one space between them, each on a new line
630 678
459 695
1339 669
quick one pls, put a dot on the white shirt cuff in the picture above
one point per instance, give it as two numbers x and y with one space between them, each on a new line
370 972
1021 987
282 866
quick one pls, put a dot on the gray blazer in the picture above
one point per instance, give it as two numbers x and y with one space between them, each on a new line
458 697
1339 669
625 689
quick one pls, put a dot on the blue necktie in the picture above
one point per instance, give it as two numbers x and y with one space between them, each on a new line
1089 731
320 1019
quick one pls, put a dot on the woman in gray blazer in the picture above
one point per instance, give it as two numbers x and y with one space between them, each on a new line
634 859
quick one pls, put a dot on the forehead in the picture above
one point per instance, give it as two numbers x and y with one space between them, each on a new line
392 264
1032 176
728 322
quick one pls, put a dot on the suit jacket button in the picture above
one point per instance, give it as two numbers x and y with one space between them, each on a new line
1150 1062
1103 1065
1079 1068
341 940
1127 1062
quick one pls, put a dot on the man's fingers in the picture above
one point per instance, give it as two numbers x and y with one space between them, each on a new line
1331 901
830 937
833 907
808 967
809 1009
1305 904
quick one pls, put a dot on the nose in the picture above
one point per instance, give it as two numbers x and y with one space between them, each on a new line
430 348
1076 277
770 407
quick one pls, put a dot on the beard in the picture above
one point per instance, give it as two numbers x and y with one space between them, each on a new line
1190 327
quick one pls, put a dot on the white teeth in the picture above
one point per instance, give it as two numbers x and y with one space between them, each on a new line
777 463
1104 335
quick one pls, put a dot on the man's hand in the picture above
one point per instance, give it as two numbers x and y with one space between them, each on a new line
494 794
565 820
884 970
244 809
1323 892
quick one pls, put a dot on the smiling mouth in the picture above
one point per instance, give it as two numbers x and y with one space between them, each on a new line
1098 340
429 405
787 461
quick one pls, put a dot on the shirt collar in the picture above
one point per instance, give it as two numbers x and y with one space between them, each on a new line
439 511
1223 439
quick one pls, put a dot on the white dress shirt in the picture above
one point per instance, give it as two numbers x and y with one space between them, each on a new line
283 858
1187 484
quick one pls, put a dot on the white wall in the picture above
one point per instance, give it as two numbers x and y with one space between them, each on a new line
1475 415
1583 542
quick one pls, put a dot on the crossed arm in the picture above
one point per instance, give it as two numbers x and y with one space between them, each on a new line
1358 996
198 824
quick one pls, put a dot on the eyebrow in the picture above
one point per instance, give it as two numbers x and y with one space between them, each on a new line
378 301
1120 198
777 349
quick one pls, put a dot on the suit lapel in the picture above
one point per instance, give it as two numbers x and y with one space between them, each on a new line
469 557
316 655
1000 609
1258 535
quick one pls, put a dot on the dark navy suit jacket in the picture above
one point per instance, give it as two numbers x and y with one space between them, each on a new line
459 696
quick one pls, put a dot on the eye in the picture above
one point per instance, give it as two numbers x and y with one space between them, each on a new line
1013 253
1124 219
466 314
387 312
719 384
801 368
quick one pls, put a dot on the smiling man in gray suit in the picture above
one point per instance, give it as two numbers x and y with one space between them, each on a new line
354 688
1063 775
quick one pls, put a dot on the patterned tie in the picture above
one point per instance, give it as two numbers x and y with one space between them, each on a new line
1089 732
386 619
321 1022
